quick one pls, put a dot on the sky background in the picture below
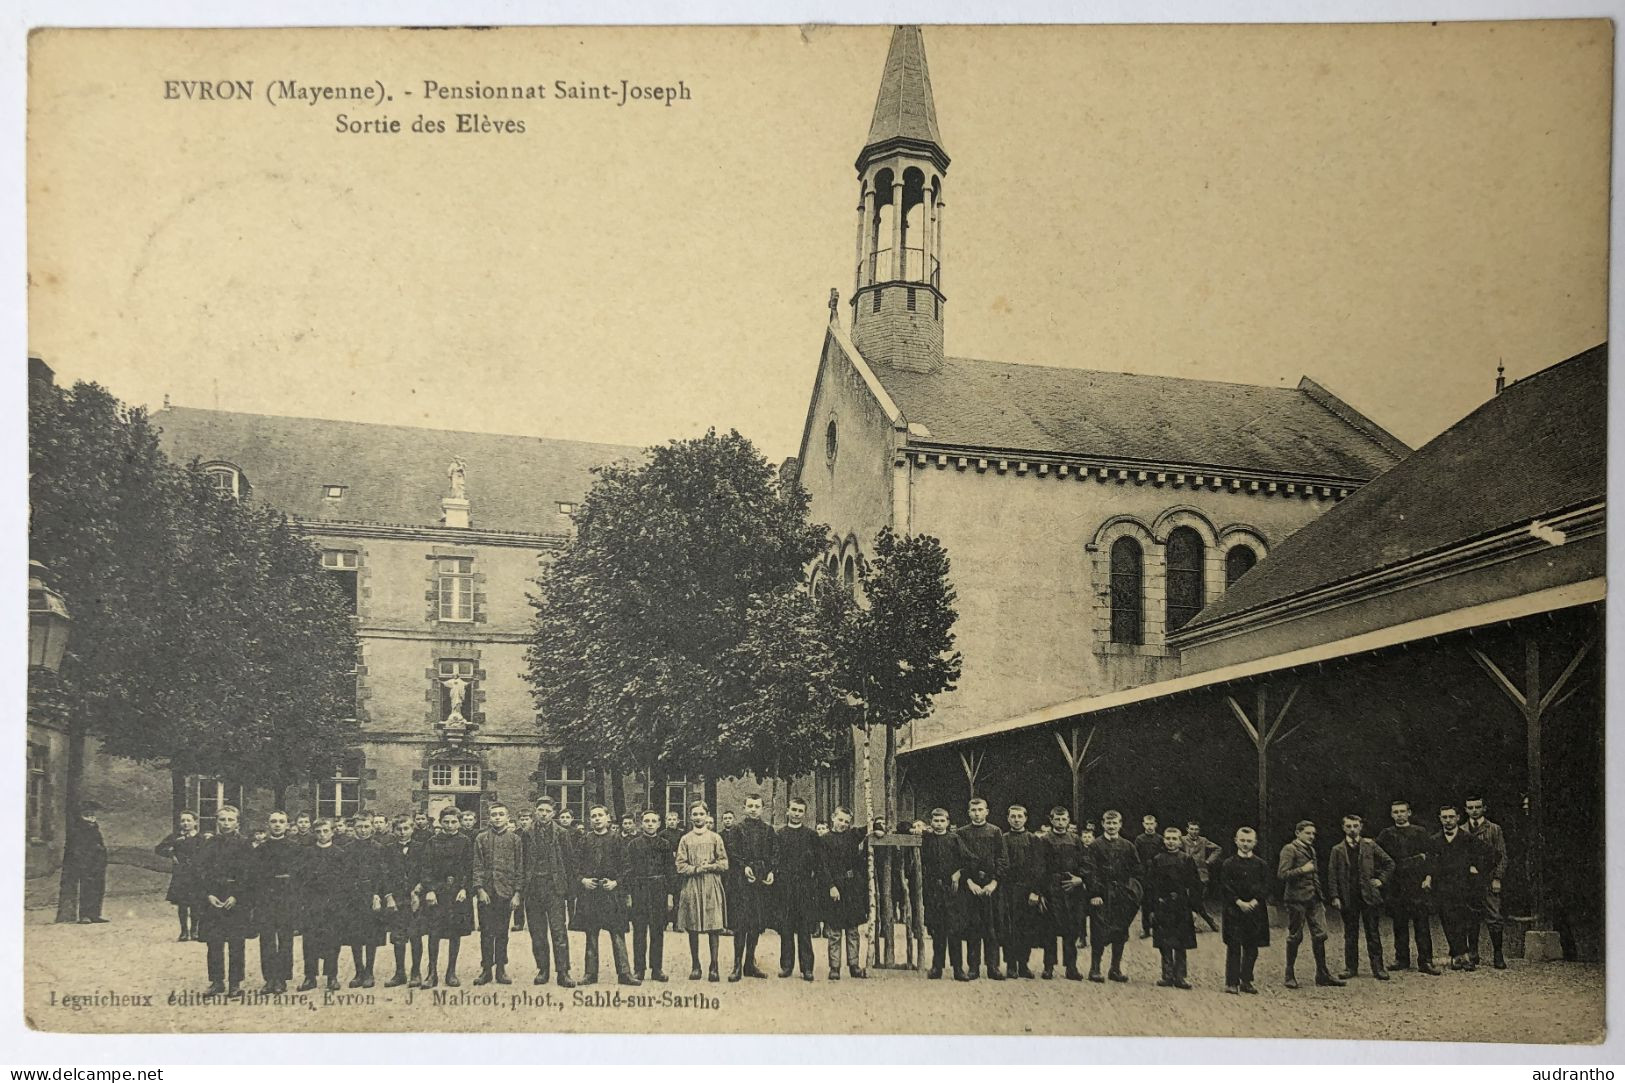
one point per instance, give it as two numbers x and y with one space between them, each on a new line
1389 210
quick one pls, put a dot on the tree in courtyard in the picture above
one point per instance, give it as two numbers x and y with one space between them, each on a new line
205 636
667 632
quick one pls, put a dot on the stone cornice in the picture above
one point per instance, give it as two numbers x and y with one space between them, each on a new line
515 539
924 454
1535 536
473 634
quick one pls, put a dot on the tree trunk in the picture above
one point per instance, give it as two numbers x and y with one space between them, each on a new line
891 778
710 786
868 826
177 797
67 906
279 797
617 785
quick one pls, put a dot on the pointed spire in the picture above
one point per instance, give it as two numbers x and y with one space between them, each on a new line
905 112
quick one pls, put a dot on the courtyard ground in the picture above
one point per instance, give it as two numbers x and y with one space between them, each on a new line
135 956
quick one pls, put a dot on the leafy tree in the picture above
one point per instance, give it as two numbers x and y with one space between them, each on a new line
205 635
669 631
893 652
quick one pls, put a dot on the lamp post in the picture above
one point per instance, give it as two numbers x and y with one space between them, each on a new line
48 620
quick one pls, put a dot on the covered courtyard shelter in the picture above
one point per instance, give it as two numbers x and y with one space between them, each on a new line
1437 635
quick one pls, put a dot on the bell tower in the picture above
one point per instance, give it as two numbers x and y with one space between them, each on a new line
897 299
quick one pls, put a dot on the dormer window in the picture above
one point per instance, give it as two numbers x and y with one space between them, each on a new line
226 480
566 508
333 492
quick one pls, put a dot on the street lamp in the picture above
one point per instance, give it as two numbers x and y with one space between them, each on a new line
48 621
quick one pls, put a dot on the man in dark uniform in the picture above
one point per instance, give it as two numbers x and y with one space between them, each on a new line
843 860
547 886
799 877
1147 845
446 888
1116 893
673 833
326 899
275 872
1454 864
405 925
1299 872
601 869
983 861
651 878
1025 916
1174 889
84 869
939 860
1494 846
1066 888
1408 845
1355 876
752 850
225 875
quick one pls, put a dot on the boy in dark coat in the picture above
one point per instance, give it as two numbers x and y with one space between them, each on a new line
326 902
1355 876
499 880
601 869
752 851
225 877
446 888
1025 916
84 869
1455 861
369 891
983 861
939 859
651 877
1175 889
548 853
800 876
1115 895
1243 885
405 925
1066 888
843 864
181 847
1408 845
276 875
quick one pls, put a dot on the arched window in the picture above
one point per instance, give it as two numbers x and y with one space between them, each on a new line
1237 563
1185 555
849 573
226 480
1128 591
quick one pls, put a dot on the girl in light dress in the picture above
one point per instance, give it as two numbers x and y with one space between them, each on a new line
702 905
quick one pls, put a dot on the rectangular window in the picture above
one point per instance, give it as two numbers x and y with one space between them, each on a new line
457 688
566 508
338 796
676 798
333 492
209 795
911 299
342 565
568 787
455 777
455 577
39 792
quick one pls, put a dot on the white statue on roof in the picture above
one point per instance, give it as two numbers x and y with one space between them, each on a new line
456 474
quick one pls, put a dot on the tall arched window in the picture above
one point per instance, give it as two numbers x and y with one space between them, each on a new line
1186 555
1237 563
1128 591
849 573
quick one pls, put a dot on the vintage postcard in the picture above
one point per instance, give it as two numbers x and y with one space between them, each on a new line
1055 530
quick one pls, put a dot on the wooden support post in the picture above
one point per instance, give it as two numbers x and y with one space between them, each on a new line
917 881
1533 702
972 763
1265 735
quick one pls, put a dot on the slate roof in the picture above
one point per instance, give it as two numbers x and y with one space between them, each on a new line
904 108
393 474
1537 448
1155 419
